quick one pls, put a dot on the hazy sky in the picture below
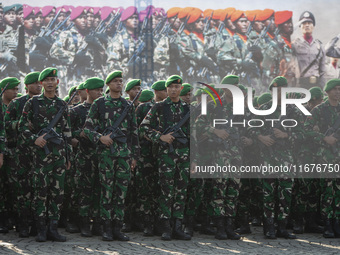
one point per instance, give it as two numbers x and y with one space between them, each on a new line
325 12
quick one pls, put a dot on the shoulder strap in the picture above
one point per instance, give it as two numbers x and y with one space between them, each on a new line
311 64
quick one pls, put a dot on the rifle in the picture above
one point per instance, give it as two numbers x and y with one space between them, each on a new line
4 89
115 133
49 25
58 26
111 22
251 26
334 130
207 23
177 132
51 134
180 30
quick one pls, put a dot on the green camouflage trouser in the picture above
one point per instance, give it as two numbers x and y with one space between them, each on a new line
195 196
277 190
173 180
48 184
330 198
307 192
88 186
70 204
114 176
250 199
10 167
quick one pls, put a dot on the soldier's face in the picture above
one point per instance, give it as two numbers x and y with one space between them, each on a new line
199 25
38 20
90 18
187 97
10 18
10 94
287 27
155 20
29 22
334 94
82 94
161 94
258 26
95 93
307 27
50 84
34 88
174 90
132 22
48 18
272 26
133 92
116 84
20 17
230 25
213 23
61 17
76 99
242 25
96 21
80 22
176 22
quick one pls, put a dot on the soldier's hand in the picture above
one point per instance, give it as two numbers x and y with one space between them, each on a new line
133 165
106 140
266 140
41 142
331 140
74 142
221 133
68 165
168 138
1 159
246 141
280 134
82 135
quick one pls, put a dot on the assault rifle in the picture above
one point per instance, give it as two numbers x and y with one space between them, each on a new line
114 131
177 132
334 130
4 89
51 134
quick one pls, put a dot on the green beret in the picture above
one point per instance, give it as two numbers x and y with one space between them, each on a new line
173 79
331 84
132 83
159 85
146 95
93 83
13 82
255 103
113 75
66 98
71 90
279 81
31 78
264 98
242 87
81 86
315 93
186 88
231 79
48 72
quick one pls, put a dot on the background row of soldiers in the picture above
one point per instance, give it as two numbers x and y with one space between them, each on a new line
90 41
101 185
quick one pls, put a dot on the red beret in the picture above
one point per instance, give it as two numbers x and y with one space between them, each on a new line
217 14
105 12
63 8
183 13
76 12
128 12
172 12
226 13
194 15
236 15
96 10
250 15
282 16
37 10
28 10
47 10
148 10
266 14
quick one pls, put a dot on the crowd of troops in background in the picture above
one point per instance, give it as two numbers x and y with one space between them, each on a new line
86 177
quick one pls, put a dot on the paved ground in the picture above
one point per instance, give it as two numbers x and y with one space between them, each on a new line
200 244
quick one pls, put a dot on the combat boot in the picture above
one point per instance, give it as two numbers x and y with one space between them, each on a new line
229 229
298 225
23 226
328 229
148 228
117 234
107 231
3 223
166 231
245 227
178 232
97 229
41 229
282 231
269 228
71 225
206 227
220 233
189 226
311 225
336 227
52 232
85 227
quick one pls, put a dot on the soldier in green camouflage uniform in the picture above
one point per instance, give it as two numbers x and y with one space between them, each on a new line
3 227
49 170
114 168
276 151
174 166
324 116
21 170
86 160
